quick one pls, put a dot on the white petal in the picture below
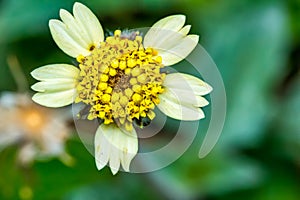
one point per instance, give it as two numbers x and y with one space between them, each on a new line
66 41
201 102
185 30
129 149
162 30
186 97
73 29
57 86
115 146
55 71
114 159
176 80
177 51
170 40
172 106
75 35
87 21
54 85
102 149
55 99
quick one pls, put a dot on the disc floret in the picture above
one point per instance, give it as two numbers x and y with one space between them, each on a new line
120 80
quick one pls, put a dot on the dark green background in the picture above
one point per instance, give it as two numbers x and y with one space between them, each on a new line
256 46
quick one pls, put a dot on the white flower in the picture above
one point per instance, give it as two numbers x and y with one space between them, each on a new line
115 146
40 135
120 79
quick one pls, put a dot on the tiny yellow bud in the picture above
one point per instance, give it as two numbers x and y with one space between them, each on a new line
122 65
156 70
109 39
77 99
112 72
142 78
114 97
115 63
158 59
142 54
108 90
143 113
151 105
123 100
131 63
128 126
127 71
138 38
91 116
103 78
102 86
105 98
156 100
133 81
122 120
102 68
136 88
80 58
128 92
117 33
136 71
151 114
148 51
101 115
136 97
107 121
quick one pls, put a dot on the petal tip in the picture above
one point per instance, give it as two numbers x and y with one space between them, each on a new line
194 37
52 22
35 98
179 17
34 88
100 165
34 74
79 6
114 171
209 88
62 12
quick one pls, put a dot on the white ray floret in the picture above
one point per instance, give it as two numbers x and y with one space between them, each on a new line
58 84
170 39
77 34
182 99
115 146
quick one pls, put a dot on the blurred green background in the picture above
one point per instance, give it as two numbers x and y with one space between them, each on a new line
256 46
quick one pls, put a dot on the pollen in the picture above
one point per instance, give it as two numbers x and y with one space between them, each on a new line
120 80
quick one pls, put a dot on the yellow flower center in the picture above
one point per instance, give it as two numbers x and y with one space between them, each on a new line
120 81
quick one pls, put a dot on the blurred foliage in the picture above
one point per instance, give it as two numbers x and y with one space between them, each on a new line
255 44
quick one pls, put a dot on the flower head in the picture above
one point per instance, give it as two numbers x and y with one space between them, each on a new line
120 79
41 136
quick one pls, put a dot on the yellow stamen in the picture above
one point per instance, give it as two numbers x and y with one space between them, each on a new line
117 33
105 98
120 80
102 86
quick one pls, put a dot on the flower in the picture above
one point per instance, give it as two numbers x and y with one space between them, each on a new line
40 135
120 79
